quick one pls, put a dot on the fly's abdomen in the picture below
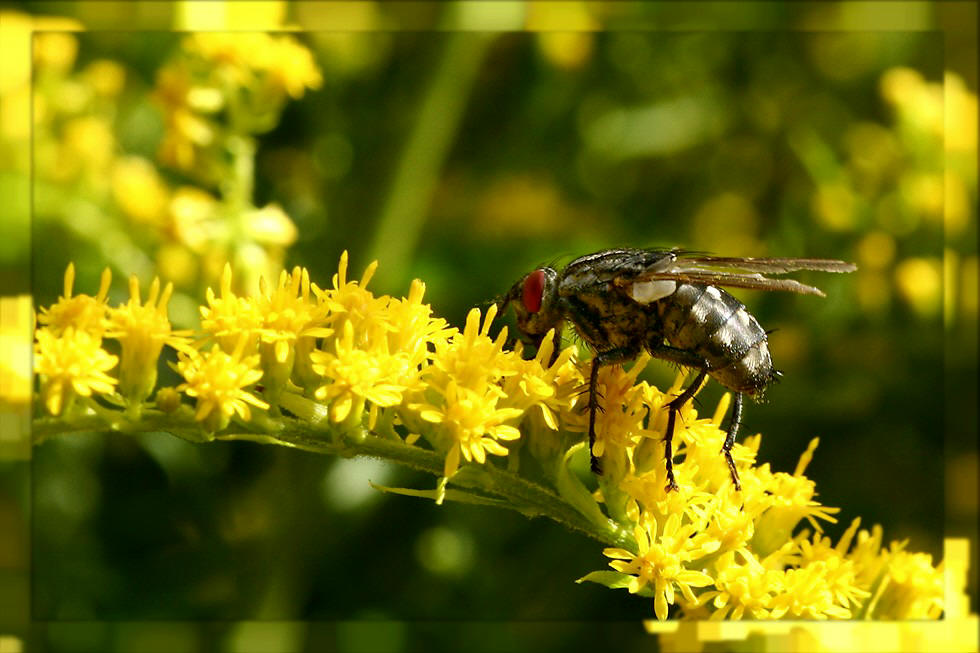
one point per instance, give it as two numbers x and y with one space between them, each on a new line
714 325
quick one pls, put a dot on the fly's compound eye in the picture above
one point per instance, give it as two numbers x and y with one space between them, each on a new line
533 291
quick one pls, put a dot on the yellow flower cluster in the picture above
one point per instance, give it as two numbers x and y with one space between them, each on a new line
228 80
216 92
70 359
353 366
738 546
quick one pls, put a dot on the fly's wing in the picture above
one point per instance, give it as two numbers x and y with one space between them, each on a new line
696 268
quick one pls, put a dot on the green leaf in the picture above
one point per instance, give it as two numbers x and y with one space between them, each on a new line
612 579
450 494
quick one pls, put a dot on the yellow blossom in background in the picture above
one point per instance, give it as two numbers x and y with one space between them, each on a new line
288 65
195 219
217 381
16 323
270 225
250 73
71 363
138 190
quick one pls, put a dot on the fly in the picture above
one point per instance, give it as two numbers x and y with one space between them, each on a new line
671 304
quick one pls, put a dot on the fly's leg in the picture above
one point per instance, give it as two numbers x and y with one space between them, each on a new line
603 358
674 407
730 438
687 359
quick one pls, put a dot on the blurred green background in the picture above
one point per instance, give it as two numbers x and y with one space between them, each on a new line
467 159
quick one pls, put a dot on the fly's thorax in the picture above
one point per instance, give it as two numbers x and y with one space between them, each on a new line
714 325
608 320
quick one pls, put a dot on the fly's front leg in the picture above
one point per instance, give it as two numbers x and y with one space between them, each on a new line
687 359
730 438
602 358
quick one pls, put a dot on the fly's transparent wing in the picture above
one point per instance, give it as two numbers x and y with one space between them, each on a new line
696 262
696 268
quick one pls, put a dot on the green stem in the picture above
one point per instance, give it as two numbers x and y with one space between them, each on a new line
415 178
488 480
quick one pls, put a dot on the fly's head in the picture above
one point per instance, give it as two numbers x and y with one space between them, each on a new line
535 301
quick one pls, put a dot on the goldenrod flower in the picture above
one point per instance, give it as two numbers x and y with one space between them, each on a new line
229 317
388 365
286 65
291 67
742 589
660 561
142 330
286 315
218 381
413 329
353 375
71 363
139 190
80 312
472 359
352 301
546 393
471 425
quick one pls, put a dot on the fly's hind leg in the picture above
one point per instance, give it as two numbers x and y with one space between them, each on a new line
686 359
730 439
674 407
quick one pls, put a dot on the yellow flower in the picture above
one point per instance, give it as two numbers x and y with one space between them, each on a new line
138 189
413 329
218 381
286 315
71 363
745 589
355 375
472 359
269 225
545 392
464 395
350 300
913 589
80 312
286 65
291 66
16 322
142 330
620 424
660 561
229 317
839 573
471 425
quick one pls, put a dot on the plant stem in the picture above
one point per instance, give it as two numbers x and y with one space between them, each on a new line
503 486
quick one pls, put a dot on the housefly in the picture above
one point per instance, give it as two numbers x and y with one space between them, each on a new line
669 303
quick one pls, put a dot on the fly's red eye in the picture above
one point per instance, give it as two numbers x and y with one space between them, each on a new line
533 291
